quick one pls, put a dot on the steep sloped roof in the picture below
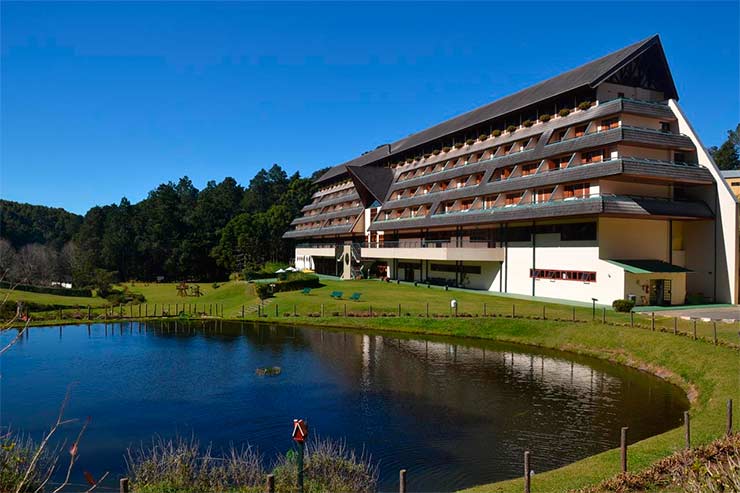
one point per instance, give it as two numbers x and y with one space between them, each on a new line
588 75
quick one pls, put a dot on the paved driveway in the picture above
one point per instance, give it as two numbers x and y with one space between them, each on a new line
719 313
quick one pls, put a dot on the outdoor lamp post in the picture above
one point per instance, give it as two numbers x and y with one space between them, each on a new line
593 308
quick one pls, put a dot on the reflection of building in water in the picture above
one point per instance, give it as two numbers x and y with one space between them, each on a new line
429 368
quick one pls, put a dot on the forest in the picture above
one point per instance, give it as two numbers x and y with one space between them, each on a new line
177 233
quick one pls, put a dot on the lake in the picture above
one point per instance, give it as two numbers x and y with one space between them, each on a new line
454 412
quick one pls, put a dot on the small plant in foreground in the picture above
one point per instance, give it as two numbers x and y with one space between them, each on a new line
585 105
511 129
527 123
545 118
564 112
496 133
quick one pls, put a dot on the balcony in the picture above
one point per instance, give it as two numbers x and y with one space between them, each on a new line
469 250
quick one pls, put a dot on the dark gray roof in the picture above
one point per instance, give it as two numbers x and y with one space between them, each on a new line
731 173
589 75
372 182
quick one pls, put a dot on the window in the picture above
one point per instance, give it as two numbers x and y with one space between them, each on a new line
563 275
578 232
735 183
609 124
578 190
489 201
665 127
465 269
511 199
593 156
620 95
529 169
465 205
543 195
679 157
581 131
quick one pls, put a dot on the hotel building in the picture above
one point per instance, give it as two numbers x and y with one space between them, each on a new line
592 184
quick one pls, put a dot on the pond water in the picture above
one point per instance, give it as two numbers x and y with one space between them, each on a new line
455 413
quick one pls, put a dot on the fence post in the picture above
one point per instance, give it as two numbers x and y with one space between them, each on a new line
242 311
89 310
623 447
399 309
402 481
603 315
270 487
544 317
513 310
574 313
729 416
687 427
123 485
295 313
345 310
370 310
694 329
652 321
714 330
155 309
675 325
427 310
322 310
527 478
146 310
484 309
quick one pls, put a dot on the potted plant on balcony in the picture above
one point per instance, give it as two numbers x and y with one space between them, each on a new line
511 129
459 145
469 142
482 137
585 105
545 118
446 149
564 112
527 123
436 152
427 155
496 133
409 160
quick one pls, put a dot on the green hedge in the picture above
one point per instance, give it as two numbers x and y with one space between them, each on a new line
87 293
293 283
623 305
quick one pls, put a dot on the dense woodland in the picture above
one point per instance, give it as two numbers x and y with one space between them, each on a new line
178 232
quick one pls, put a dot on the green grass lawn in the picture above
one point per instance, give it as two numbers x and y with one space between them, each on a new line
50 299
708 373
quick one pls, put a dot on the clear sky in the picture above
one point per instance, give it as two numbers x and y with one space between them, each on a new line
102 100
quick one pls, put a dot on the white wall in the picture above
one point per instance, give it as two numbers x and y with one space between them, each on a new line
726 211
633 239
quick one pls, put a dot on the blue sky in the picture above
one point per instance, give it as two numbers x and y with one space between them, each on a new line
102 100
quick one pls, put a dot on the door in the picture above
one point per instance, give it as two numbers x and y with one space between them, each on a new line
660 292
409 274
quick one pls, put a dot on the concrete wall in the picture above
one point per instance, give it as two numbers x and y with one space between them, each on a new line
608 91
631 188
724 204
639 286
633 239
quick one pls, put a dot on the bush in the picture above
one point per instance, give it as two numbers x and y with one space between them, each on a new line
585 105
293 282
511 129
527 123
459 145
85 293
409 160
328 466
470 142
181 466
436 152
482 137
427 155
623 305
446 149
121 296
545 118
564 112
496 133
16 456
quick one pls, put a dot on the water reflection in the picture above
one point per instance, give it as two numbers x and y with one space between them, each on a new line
453 414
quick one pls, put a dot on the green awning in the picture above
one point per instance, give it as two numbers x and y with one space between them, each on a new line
647 266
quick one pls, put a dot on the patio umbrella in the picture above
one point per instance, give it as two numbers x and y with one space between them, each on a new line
280 271
291 269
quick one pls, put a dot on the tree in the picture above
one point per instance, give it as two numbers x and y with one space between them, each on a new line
727 156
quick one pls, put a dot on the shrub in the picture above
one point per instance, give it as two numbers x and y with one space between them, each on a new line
409 160
436 152
446 149
85 293
328 466
482 137
16 456
585 105
470 142
564 112
623 305
527 123
293 282
459 145
511 129
545 118
496 133
181 466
